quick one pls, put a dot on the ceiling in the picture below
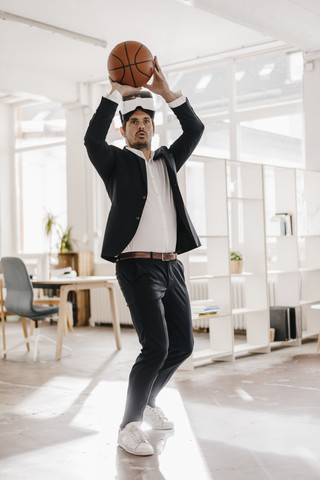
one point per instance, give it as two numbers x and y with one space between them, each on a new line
38 62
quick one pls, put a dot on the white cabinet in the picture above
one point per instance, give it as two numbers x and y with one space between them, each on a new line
272 216
293 257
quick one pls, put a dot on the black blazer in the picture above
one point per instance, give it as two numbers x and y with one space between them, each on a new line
125 178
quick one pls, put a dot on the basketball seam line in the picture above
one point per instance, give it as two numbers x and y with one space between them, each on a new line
124 70
125 47
129 64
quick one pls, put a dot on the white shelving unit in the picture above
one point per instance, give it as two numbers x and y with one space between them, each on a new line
308 244
228 215
236 210
247 235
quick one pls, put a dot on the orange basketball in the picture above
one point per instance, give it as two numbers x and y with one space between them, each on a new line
130 63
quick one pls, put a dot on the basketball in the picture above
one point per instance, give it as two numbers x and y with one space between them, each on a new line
130 63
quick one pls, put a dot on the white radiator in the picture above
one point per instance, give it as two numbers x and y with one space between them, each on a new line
100 307
238 301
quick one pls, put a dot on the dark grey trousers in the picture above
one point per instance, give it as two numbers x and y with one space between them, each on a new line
158 300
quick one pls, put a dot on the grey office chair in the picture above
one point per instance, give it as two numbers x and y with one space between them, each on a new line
19 296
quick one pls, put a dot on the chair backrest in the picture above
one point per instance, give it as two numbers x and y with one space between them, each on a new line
19 291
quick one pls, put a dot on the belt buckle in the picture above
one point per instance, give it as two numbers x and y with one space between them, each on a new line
166 257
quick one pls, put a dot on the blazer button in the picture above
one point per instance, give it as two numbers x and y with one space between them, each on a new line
137 218
144 197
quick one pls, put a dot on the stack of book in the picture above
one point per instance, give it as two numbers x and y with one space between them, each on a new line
285 222
202 308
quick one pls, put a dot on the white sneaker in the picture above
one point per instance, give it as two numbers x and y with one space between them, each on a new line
156 418
133 440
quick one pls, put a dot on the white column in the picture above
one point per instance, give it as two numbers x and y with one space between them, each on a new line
311 102
79 180
8 193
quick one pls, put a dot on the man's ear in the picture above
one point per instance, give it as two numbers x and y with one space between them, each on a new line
123 132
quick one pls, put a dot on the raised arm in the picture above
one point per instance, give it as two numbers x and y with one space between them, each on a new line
101 154
191 125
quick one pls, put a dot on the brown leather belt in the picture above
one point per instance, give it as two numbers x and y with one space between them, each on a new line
165 257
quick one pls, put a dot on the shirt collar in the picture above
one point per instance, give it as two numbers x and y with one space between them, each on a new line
139 153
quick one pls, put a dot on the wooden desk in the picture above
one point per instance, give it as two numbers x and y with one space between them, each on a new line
66 285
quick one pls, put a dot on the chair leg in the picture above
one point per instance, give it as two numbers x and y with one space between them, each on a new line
36 343
25 331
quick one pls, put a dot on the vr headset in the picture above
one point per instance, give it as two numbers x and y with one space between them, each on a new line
134 101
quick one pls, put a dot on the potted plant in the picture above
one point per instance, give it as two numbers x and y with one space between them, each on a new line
65 241
236 261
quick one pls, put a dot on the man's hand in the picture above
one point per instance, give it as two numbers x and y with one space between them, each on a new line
123 89
160 85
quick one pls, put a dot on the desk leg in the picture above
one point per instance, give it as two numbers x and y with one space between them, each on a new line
115 318
62 319
3 334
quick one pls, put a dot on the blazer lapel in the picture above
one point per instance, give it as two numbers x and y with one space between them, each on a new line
142 164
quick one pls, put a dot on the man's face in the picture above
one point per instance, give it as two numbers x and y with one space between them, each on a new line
138 131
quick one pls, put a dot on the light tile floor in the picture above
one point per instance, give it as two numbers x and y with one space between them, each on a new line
257 418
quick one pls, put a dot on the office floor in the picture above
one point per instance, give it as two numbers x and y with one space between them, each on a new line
257 418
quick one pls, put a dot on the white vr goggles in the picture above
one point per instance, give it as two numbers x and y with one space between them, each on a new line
130 103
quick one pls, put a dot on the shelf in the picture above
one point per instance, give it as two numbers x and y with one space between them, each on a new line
281 236
310 333
245 199
241 311
294 342
207 277
213 236
246 274
308 235
281 272
215 315
309 302
309 269
246 347
211 354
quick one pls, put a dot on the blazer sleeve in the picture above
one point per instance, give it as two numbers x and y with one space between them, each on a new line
101 154
192 129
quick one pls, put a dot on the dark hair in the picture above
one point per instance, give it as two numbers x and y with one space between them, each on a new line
125 118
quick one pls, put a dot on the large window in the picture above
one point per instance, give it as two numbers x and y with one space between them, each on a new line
41 180
272 140
251 107
206 88
268 79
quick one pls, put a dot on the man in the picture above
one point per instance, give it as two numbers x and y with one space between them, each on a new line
147 227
